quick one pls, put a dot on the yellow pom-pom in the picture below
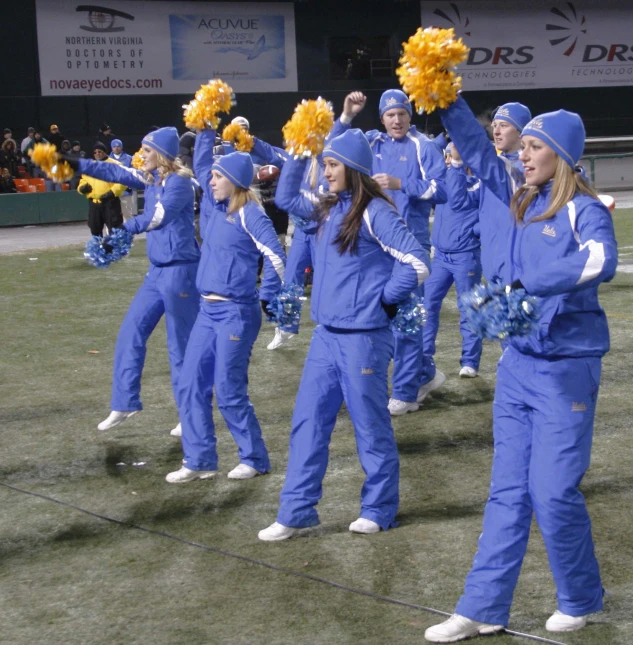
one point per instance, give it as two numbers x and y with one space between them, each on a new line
305 133
137 161
238 137
202 112
425 72
45 156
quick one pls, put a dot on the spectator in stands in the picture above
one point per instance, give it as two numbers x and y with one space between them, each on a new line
7 134
105 205
105 135
128 199
66 146
10 158
34 170
56 137
25 142
7 185
76 153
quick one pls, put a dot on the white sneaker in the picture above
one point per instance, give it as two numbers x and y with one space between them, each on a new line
276 532
185 475
559 622
177 431
458 628
281 338
361 525
438 381
115 419
243 471
397 408
468 372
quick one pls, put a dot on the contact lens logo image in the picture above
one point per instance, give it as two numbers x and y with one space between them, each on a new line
566 27
456 19
103 20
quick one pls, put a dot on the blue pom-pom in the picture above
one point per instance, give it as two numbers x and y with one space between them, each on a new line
102 251
496 312
410 317
285 308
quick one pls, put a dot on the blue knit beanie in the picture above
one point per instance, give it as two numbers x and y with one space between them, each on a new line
352 149
394 99
115 143
562 131
515 114
237 167
163 140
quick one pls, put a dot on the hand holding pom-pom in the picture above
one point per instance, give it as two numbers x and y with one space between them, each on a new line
496 312
305 133
45 156
202 112
102 251
409 317
285 308
425 72
238 137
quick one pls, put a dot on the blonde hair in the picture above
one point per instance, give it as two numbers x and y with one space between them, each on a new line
566 183
166 167
241 197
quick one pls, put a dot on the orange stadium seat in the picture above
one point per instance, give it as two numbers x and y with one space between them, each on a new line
40 185
22 185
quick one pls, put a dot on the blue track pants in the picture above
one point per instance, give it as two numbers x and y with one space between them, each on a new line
167 290
218 354
543 427
350 367
464 269
299 259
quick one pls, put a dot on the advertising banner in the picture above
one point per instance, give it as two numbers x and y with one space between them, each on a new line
130 47
541 43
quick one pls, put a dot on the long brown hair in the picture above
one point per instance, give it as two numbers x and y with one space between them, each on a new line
240 197
363 189
566 183
166 167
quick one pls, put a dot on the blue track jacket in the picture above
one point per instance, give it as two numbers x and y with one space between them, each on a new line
168 213
233 242
349 289
419 164
455 221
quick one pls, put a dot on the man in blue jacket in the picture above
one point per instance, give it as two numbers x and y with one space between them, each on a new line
410 168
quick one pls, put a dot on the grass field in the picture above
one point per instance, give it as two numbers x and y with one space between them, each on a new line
69 577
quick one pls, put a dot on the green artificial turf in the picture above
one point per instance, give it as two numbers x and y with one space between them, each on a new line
68 577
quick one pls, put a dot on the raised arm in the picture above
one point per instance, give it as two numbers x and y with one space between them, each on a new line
289 196
463 194
112 172
203 158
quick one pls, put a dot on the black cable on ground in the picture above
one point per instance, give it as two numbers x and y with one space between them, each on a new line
261 563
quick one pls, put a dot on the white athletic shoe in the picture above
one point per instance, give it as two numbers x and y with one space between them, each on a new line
468 372
115 419
458 628
185 475
177 431
361 525
281 338
276 532
397 408
438 381
243 471
559 622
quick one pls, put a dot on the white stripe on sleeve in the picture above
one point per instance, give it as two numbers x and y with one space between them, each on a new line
275 260
595 262
157 217
419 267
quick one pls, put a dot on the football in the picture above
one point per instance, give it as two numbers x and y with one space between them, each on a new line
266 173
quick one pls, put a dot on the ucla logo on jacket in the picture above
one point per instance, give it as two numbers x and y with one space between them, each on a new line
549 230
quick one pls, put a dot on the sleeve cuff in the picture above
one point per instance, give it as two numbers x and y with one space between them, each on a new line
456 164
345 120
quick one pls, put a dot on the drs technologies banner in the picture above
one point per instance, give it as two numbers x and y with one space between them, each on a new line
131 47
541 43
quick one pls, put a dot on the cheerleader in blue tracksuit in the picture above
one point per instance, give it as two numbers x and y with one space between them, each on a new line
169 286
366 261
220 346
411 170
561 247
301 254
456 259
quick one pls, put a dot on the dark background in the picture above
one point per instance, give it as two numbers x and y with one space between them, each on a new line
325 32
